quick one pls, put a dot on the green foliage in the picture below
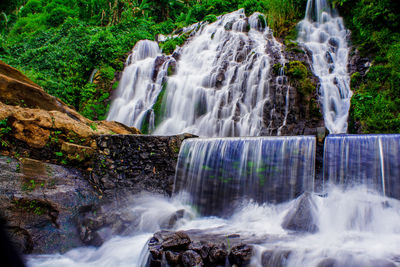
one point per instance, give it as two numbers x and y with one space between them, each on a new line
169 46
300 78
4 131
210 18
375 31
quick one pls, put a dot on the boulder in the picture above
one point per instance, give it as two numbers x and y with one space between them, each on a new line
303 215
41 202
176 241
191 258
241 255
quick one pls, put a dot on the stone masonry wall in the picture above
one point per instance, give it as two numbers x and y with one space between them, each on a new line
129 164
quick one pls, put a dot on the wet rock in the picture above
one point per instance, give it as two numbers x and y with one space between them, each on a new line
170 222
158 62
241 255
228 25
217 255
191 258
176 241
41 202
357 63
302 216
174 258
333 42
272 258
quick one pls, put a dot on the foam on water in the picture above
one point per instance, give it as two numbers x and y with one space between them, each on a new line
357 227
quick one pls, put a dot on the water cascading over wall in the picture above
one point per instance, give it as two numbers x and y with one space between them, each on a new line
219 172
322 32
218 84
370 160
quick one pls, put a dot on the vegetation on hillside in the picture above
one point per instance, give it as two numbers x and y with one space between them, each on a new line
72 48
375 28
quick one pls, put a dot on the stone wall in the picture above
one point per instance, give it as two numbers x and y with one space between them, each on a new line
129 164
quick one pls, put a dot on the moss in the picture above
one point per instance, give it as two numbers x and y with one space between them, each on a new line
32 206
262 21
171 69
159 107
300 78
296 70
355 80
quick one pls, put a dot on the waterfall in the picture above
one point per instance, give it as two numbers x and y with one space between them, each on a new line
140 85
217 172
219 83
322 33
371 160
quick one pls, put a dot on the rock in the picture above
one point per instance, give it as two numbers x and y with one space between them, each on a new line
170 222
358 64
303 215
41 203
176 241
191 258
175 258
217 255
77 152
241 255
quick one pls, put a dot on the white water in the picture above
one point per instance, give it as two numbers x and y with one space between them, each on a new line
221 85
357 228
322 32
138 89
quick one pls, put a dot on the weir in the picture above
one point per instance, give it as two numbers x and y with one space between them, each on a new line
371 160
218 173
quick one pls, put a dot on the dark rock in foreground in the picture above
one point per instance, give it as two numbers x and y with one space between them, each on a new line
192 249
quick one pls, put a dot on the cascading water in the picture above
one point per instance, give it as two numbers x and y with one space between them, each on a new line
139 86
322 32
218 172
221 84
371 160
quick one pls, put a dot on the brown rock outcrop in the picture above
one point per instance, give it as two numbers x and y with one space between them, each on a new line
38 118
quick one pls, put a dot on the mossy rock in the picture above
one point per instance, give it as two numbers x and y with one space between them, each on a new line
296 69
355 80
